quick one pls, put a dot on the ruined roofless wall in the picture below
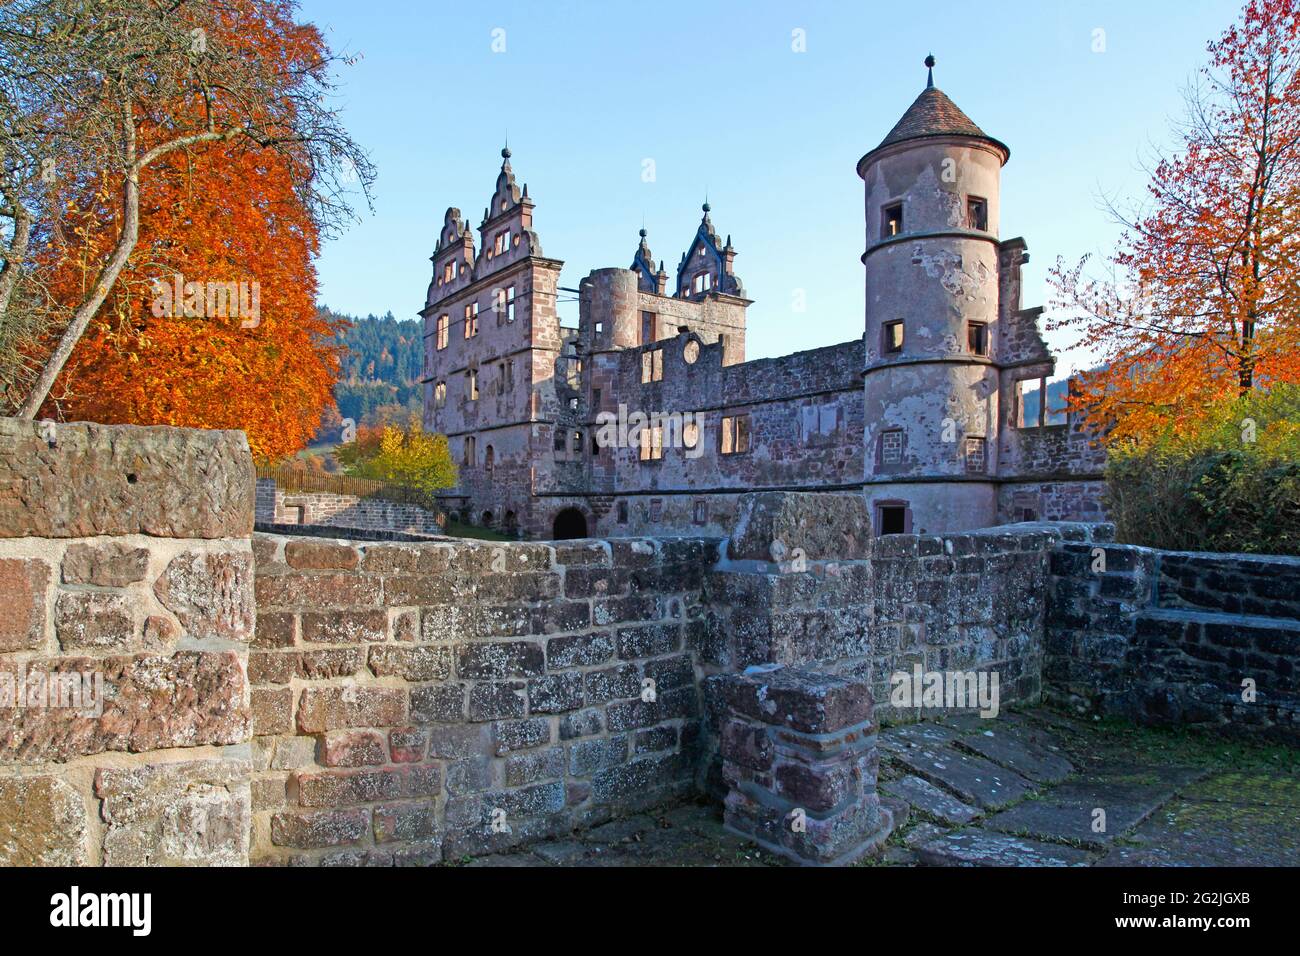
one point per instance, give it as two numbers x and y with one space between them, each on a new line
329 509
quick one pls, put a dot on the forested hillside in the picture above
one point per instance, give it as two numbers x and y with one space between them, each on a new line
380 369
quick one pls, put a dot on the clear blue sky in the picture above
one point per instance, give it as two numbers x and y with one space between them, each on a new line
715 95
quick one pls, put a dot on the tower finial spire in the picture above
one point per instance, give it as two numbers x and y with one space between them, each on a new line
505 150
929 64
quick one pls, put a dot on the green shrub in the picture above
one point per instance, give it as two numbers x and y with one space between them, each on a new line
1229 482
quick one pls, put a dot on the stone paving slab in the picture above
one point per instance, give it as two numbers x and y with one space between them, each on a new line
985 848
1188 833
929 800
918 735
1068 813
973 779
1033 761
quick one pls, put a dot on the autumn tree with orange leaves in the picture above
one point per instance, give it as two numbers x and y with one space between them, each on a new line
192 146
1201 301
220 217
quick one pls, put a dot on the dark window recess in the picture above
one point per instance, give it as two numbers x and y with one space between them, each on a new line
892 221
977 338
893 336
893 519
977 214
622 512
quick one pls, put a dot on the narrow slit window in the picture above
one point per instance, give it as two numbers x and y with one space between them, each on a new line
893 337
892 221
977 214
977 338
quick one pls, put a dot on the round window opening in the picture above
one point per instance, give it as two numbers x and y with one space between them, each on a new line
692 352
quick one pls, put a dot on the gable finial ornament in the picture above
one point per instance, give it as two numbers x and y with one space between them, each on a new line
929 65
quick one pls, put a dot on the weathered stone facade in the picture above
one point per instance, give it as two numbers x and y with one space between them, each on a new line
923 417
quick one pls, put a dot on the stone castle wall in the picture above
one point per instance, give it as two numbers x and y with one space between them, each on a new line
323 508
127 574
1174 638
413 703
295 700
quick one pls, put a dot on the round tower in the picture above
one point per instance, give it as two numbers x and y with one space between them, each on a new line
931 382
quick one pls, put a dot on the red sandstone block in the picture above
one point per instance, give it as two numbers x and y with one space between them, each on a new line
319 829
272 667
335 708
424 589
406 823
417 664
111 565
349 788
353 748
318 590
150 702
331 662
272 711
274 630
24 582
321 556
410 558
345 627
408 744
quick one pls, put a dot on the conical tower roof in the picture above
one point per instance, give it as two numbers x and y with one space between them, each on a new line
933 114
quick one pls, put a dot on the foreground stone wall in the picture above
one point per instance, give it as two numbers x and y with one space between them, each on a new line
419 702
279 507
876 607
126 573
1175 638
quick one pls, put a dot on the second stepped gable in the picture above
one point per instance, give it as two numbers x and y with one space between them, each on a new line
707 265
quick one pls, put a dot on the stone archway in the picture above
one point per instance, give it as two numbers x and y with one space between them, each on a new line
569 524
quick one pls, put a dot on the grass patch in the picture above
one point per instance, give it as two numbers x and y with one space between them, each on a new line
457 529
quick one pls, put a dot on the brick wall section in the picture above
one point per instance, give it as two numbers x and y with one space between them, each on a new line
276 506
1169 638
406 696
125 563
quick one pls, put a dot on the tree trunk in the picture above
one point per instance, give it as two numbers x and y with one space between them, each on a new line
86 311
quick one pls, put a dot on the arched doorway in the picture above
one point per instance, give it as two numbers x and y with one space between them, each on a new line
569 524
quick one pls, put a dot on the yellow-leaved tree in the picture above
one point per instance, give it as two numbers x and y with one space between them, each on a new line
410 457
